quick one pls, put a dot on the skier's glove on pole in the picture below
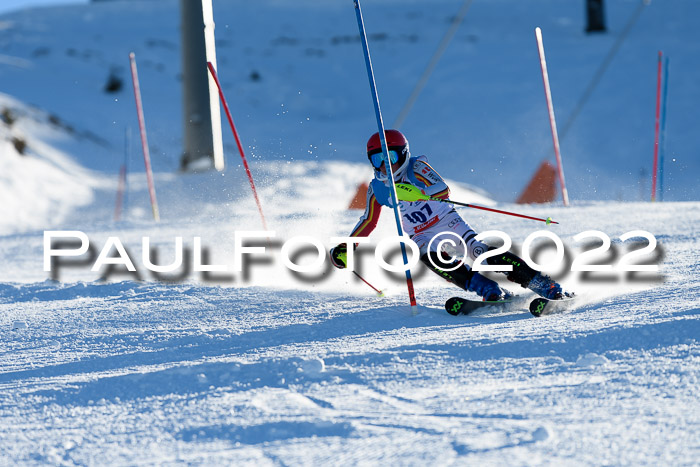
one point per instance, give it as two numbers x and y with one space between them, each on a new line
410 193
339 256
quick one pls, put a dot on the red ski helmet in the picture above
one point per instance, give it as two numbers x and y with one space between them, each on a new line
396 142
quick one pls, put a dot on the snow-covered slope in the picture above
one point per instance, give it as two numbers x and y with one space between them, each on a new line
40 185
274 368
296 82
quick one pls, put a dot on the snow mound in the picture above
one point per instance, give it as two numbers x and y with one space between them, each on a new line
40 186
591 360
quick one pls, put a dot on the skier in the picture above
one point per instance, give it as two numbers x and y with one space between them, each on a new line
424 221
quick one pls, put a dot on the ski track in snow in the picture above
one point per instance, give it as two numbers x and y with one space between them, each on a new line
270 369
188 372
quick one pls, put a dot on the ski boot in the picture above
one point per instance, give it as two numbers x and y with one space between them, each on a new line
546 287
486 288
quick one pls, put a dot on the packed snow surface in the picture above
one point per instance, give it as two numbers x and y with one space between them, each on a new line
281 370
270 367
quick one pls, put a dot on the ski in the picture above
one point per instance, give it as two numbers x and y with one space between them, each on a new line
539 306
463 306
542 306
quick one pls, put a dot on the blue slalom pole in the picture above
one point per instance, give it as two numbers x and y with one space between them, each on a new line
663 133
385 148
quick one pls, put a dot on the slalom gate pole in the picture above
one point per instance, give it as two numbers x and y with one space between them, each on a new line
552 121
120 193
144 139
657 119
238 142
379 292
127 158
454 26
385 151
662 143
122 184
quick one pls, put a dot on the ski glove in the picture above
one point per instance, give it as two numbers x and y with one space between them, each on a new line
339 256
410 193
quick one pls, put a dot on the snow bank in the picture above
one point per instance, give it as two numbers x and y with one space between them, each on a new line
40 186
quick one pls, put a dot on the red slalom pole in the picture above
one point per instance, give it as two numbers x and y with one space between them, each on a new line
144 139
552 121
656 129
238 142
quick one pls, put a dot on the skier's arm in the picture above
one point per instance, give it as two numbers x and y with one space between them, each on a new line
364 227
435 185
369 218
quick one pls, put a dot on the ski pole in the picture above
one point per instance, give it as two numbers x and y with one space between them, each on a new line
379 292
412 193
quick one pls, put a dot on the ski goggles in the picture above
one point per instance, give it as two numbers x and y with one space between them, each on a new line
377 159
